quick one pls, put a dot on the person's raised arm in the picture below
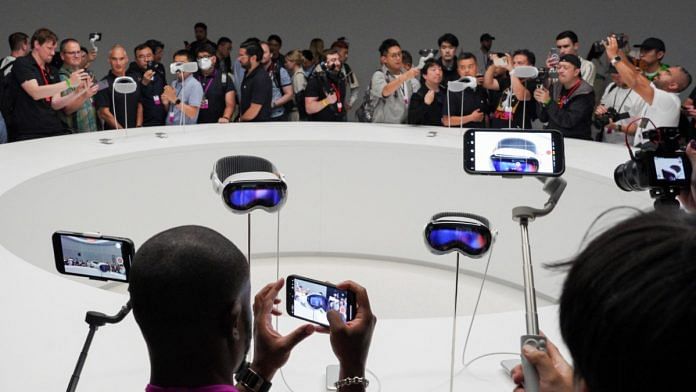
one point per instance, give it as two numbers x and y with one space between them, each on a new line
630 75
391 87
36 92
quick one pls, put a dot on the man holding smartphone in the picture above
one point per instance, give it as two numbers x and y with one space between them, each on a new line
199 329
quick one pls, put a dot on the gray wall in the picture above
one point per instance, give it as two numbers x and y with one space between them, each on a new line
416 24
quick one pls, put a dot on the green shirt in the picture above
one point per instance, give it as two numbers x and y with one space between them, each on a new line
651 75
85 117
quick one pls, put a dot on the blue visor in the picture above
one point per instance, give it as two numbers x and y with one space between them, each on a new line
246 197
471 239
515 165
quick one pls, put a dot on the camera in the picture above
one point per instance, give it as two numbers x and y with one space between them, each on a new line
542 78
598 46
611 115
660 166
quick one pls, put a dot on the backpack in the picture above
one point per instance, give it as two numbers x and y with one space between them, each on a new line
290 105
366 111
7 93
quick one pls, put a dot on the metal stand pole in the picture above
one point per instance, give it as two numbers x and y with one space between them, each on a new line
454 324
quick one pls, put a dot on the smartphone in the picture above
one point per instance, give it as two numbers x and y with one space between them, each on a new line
499 61
310 299
93 255
514 152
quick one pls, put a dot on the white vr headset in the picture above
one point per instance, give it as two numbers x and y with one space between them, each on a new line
178 66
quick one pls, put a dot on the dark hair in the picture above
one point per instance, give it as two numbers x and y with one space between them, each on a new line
449 38
16 40
275 37
568 34
531 59
207 48
627 309
429 64
185 279
183 52
65 42
223 40
154 44
141 47
83 49
386 44
200 25
406 57
253 49
308 55
328 52
42 35
340 43
466 56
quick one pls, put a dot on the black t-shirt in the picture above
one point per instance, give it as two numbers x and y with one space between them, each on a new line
693 94
257 88
154 112
500 118
449 74
33 118
103 99
472 101
422 114
317 86
215 87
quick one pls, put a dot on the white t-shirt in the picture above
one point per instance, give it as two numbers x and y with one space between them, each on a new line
664 112
624 100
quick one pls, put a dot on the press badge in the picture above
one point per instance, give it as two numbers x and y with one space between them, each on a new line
156 98
204 104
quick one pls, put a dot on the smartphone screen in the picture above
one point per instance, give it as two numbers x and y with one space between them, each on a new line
310 300
514 152
102 258
671 170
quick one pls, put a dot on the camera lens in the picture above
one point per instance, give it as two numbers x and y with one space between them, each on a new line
629 177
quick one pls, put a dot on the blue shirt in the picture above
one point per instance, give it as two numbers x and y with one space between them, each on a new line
191 93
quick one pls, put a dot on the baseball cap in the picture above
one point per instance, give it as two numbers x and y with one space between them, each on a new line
652 43
571 58
486 37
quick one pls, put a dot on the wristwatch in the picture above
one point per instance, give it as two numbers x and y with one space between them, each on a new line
252 380
615 60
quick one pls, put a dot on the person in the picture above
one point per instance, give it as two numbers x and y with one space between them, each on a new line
626 311
275 43
219 95
198 331
447 59
38 91
661 96
148 74
352 84
126 115
687 197
157 48
293 63
652 52
79 115
486 41
256 86
568 108
392 86
281 84
183 95
516 93
689 113
224 48
406 60
316 46
426 103
308 66
326 90
622 99
200 29
19 47
470 107
567 43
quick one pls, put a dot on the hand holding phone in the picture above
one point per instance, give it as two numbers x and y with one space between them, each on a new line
94 256
311 300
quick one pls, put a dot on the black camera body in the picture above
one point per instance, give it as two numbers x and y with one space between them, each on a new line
542 79
611 115
598 46
660 166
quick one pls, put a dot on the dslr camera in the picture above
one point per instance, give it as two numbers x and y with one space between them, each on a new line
660 166
542 79
611 115
598 46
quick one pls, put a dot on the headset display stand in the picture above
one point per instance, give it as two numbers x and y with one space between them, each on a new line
554 187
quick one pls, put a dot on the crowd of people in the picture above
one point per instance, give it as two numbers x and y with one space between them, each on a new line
47 87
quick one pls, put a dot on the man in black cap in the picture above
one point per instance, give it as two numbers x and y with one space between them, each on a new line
486 44
568 106
652 51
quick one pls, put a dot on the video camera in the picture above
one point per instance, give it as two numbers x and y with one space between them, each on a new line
661 166
600 121
598 46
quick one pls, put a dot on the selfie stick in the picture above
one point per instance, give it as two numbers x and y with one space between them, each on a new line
554 187
95 320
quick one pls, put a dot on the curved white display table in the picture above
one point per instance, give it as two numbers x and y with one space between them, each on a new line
359 197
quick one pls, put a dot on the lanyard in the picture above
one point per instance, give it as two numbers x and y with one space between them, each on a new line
45 78
338 96
207 86
622 102
563 100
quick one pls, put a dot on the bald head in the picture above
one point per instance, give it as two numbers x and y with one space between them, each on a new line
118 60
674 79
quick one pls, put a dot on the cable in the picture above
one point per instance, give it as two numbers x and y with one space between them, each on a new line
600 216
379 383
